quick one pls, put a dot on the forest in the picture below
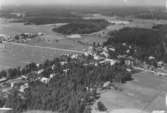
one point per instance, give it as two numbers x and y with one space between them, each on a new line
144 42
82 27
70 92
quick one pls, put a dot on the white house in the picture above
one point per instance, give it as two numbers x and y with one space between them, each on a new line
105 49
86 54
5 109
111 61
124 44
63 63
12 84
160 63
106 84
105 54
151 57
23 87
74 56
52 75
37 65
128 51
74 36
128 70
66 70
96 57
112 49
40 71
3 79
53 66
45 80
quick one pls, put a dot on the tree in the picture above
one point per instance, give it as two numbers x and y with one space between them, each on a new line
101 106
12 73
15 102
3 73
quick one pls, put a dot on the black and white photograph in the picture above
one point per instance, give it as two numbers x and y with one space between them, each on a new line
83 56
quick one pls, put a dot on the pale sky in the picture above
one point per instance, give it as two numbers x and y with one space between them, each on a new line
84 2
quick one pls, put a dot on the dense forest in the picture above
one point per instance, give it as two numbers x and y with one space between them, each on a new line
82 27
144 42
161 27
72 91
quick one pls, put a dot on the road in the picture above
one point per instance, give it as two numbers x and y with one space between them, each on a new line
50 48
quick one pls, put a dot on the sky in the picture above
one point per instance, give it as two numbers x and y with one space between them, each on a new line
84 2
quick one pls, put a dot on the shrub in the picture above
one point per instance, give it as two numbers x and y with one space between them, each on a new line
101 106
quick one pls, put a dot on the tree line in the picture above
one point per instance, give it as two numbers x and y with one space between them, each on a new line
71 92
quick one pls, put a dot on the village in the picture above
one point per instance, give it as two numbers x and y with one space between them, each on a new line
19 38
96 55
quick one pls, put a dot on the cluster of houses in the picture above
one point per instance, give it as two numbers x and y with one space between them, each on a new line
23 37
102 55
26 36
17 14
99 55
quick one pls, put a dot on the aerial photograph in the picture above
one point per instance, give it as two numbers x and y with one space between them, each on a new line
83 56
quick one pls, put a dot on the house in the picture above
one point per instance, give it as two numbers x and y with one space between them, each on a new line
124 44
23 87
52 75
160 63
66 70
74 36
96 64
53 66
105 49
86 54
106 85
40 34
63 63
44 80
24 77
3 37
128 70
130 47
96 57
5 109
110 61
40 71
3 79
38 65
128 51
74 56
151 57
90 50
105 54
112 49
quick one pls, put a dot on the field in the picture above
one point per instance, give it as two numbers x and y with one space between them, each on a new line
13 56
142 95
18 56
145 94
35 111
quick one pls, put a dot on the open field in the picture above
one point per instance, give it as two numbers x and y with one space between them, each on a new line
146 93
19 55
35 111
16 55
